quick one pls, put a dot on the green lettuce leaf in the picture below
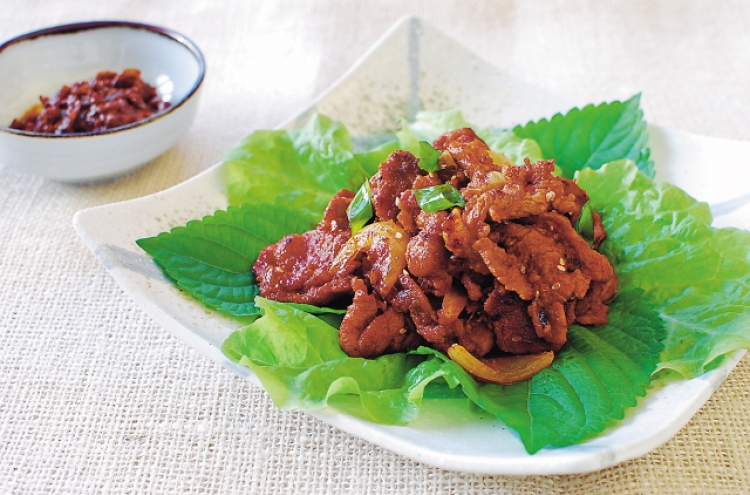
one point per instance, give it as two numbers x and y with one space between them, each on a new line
704 307
428 125
661 240
593 136
212 259
514 147
298 168
298 359
599 373
317 310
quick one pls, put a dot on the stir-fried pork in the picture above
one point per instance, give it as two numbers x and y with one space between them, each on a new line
507 273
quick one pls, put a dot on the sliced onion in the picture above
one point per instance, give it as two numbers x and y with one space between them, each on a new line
384 244
503 370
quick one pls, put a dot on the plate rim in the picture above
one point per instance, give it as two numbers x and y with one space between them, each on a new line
546 462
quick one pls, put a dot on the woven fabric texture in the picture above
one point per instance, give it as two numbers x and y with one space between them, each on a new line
96 398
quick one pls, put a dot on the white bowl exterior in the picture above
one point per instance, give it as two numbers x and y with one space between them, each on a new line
96 157
42 65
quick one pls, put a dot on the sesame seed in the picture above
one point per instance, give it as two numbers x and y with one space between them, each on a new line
398 235
561 268
556 286
523 269
562 261
402 331
550 195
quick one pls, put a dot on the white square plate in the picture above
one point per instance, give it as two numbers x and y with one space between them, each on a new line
414 67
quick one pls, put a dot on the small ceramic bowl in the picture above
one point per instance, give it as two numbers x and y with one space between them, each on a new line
42 62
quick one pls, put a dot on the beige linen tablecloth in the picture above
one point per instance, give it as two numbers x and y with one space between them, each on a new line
97 398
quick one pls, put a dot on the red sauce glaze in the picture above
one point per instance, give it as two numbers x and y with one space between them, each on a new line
108 101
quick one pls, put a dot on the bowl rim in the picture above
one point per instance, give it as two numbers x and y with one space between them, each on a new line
76 27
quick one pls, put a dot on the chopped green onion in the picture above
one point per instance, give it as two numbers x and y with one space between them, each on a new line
436 198
428 157
585 224
360 209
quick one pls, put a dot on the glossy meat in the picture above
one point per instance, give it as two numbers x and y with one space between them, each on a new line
394 176
507 273
371 328
298 268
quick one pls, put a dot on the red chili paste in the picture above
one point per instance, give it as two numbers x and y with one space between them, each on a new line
108 101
